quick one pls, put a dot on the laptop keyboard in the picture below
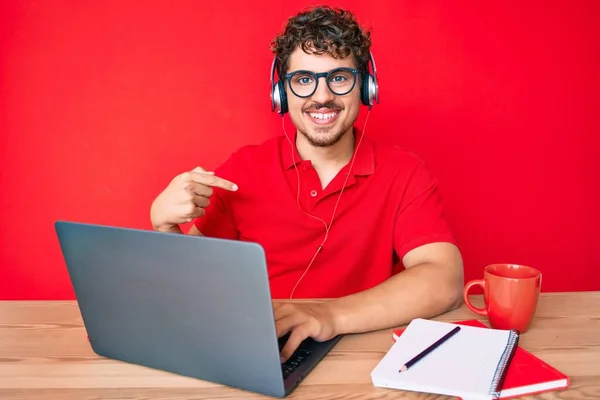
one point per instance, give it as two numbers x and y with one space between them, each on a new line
294 362
297 358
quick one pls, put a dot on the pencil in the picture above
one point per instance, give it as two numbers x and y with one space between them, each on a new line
428 350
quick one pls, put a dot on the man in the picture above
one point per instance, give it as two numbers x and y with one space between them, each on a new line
334 211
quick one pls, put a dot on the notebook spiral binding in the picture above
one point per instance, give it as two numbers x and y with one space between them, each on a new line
502 369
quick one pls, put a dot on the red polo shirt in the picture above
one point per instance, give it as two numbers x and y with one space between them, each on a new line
390 206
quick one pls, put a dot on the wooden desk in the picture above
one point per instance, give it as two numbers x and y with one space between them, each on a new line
44 354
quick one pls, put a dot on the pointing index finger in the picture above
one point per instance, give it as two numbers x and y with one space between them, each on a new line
213 180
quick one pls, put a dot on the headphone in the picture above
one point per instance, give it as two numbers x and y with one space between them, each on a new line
369 90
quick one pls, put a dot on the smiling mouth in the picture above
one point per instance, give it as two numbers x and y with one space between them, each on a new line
323 118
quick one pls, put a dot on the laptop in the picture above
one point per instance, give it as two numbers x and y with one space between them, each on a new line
195 306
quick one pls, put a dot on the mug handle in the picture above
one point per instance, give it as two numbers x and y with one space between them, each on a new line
468 286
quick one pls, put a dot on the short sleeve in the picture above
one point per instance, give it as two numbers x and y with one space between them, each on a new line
420 217
218 220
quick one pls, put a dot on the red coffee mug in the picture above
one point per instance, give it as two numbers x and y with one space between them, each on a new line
510 294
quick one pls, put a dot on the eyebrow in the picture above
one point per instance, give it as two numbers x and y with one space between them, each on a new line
323 72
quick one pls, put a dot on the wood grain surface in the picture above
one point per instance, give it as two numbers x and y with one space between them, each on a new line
44 354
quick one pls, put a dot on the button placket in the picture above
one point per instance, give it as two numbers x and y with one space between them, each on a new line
312 186
313 198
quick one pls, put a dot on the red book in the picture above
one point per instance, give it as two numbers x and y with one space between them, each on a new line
526 374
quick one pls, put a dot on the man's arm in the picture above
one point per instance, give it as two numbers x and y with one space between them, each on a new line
431 285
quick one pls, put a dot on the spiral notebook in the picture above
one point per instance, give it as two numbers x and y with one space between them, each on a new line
472 364
526 375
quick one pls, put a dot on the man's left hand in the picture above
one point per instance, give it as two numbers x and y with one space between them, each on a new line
314 320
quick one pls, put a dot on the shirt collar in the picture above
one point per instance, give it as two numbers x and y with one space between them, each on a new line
364 164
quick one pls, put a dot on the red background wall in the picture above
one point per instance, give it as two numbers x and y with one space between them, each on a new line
102 103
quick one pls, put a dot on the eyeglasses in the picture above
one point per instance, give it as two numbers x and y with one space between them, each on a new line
340 81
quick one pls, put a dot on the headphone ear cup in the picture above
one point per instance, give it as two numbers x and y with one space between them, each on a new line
278 98
365 93
282 98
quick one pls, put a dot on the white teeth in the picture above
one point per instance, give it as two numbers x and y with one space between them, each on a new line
323 116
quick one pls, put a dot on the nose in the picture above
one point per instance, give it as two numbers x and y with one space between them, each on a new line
323 94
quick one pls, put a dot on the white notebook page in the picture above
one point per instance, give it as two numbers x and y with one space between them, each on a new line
464 365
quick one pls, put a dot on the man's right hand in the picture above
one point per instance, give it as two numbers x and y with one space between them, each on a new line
185 198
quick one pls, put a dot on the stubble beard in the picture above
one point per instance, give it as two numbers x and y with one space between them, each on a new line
323 137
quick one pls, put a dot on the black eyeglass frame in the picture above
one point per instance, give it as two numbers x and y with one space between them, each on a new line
317 75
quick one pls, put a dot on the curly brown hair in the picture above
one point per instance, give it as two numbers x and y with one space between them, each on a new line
323 29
